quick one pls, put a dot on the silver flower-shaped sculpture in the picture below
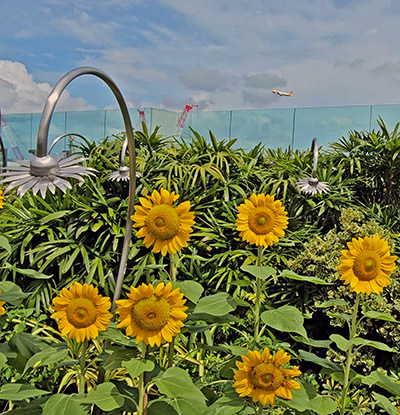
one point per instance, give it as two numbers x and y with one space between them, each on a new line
57 169
311 185
122 174
40 174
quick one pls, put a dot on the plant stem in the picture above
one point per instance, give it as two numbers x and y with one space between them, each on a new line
142 405
257 300
349 356
82 367
171 352
173 266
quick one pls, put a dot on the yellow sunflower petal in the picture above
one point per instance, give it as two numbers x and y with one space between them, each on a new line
155 315
262 377
367 264
261 220
81 312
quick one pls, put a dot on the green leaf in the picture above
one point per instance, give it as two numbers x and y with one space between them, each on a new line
286 318
159 407
225 406
19 392
306 399
116 336
192 290
344 316
31 273
358 341
46 357
215 305
323 405
34 407
263 272
106 396
63 405
3 360
341 342
380 316
12 293
55 215
235 350
184 406
330 303
176 383
385 404
383 381
136 367
293 276
311 357
4 244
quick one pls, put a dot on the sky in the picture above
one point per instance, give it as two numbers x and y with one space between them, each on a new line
218 54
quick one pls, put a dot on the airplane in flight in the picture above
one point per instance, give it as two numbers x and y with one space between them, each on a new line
282 94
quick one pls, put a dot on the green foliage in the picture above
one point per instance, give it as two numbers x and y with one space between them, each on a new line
47 244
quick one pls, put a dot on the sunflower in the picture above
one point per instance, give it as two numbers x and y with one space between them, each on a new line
261 220
262 377
152 315
1 200
81 312
166 226
2 311
367 264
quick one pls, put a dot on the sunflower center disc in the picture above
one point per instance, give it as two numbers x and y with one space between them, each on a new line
366 266
266 376
81 313
163 222
262 220
151 313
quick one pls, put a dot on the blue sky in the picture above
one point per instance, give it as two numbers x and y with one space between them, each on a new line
219 54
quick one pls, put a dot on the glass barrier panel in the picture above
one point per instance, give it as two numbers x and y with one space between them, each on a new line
165 119
114 123
203 121
91 124
272 127
16 131
389 113
328 124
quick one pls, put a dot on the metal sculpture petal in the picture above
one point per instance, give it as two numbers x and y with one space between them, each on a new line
311 185
22 177
122 174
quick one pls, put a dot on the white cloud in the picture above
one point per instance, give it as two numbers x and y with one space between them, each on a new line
21 93
203 79
256 98
88 29
264 80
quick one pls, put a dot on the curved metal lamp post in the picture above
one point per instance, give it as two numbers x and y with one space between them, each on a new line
57 139
44 172
3 155
312 185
